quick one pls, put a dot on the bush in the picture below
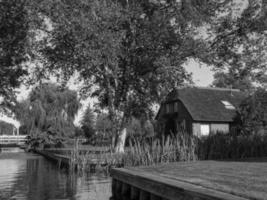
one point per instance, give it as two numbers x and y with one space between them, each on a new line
231 146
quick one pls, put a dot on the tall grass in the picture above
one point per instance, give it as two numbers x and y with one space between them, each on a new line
140 152
154 151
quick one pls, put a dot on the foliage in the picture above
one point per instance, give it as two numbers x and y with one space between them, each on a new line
103 124
23 130
88 123
133 51
232 80
239 48
140 129
48 114
253 113
231 146
13 44
6 128
134 128
78 131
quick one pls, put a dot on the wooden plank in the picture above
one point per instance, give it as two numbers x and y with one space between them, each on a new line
168 188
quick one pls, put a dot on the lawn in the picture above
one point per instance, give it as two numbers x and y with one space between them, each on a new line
245 179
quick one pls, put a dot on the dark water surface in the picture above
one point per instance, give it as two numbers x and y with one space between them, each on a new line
27 176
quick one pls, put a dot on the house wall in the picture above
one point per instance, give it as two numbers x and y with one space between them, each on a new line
175 117
214 127
183 116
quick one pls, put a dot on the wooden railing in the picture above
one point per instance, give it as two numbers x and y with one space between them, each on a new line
13 139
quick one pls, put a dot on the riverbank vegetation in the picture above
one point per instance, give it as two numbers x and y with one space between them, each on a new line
48 114
232 147
154 151
6 128
139 152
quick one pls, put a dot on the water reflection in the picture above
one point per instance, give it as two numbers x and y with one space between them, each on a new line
31 177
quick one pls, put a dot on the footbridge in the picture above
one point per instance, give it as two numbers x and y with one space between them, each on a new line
12 139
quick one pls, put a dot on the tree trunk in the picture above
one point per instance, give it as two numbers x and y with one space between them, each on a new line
119 148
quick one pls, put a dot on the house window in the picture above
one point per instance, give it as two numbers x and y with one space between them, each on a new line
204 129
228 105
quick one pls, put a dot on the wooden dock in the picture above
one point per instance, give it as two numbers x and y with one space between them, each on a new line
62 158
209 180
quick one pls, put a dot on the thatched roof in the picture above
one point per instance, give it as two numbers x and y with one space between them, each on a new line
209 104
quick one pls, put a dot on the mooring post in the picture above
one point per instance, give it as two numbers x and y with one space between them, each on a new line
154 197
126 191
118 192
144 195
113 186
134 193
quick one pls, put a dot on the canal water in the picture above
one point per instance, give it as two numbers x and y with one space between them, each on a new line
27 176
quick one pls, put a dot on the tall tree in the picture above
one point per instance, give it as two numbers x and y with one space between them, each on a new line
48 114
133 51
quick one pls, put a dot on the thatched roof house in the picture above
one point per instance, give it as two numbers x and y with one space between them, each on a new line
199 110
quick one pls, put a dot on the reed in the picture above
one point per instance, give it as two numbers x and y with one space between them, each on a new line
140 152
154 151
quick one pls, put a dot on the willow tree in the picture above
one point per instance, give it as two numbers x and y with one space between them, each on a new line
48 114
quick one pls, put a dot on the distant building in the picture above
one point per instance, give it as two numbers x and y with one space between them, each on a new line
199 111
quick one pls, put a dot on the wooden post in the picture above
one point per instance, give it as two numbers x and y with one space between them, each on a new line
134 193
144 195
118 195
126 191
154 197
113 187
